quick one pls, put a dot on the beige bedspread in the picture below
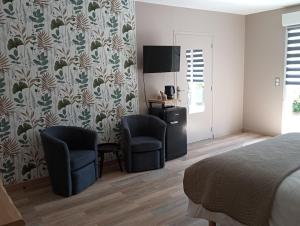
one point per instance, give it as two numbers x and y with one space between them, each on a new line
242 183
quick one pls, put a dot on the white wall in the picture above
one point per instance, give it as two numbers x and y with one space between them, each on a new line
264 60
155 26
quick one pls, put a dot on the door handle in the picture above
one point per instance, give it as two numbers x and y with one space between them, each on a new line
174 122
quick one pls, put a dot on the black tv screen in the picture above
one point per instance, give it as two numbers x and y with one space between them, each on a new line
161 59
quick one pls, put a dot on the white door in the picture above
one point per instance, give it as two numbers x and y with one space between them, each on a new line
195 84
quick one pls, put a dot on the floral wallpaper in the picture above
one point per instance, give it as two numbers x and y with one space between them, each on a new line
62 62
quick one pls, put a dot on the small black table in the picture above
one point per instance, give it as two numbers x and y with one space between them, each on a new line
108 148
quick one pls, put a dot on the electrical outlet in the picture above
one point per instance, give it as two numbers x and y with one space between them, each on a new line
277 81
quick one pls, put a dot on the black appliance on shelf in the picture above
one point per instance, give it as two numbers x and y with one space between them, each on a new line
170 92
176 138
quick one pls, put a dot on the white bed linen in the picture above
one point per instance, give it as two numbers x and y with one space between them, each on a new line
285 211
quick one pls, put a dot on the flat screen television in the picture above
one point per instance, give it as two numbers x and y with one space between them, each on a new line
159 59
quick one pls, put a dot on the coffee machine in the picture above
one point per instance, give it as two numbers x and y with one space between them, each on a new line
170 92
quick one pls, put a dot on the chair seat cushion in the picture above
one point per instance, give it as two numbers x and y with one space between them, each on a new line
143 144
81 158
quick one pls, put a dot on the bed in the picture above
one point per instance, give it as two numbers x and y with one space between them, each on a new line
218 187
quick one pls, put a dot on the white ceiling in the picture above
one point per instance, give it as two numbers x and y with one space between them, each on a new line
242 7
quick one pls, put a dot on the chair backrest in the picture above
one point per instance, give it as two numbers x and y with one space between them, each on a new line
140 125
69 134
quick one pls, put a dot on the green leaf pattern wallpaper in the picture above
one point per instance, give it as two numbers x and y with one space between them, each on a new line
62 62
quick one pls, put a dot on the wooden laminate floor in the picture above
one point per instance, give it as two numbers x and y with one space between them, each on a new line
148 198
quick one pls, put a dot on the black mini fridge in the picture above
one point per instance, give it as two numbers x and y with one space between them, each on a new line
176 139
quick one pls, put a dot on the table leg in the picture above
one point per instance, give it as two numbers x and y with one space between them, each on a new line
101 164
119 161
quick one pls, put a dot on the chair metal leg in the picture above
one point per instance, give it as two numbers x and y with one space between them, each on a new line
119 161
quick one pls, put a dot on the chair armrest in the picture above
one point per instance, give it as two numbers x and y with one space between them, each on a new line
158 128
57 157
127 135
55 147
126 131
126 144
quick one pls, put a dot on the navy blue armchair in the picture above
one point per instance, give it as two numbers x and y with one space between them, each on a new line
71 156
143 142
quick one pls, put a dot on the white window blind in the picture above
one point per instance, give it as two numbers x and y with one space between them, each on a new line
293 56
195 65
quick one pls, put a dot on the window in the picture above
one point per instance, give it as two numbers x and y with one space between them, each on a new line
194 76
291 105
293 57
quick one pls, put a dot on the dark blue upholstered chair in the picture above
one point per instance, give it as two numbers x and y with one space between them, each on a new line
71 157
143 142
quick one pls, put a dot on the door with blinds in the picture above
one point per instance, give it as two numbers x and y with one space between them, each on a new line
194 82
291 104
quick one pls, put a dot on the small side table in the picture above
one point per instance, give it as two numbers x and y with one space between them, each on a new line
108 148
